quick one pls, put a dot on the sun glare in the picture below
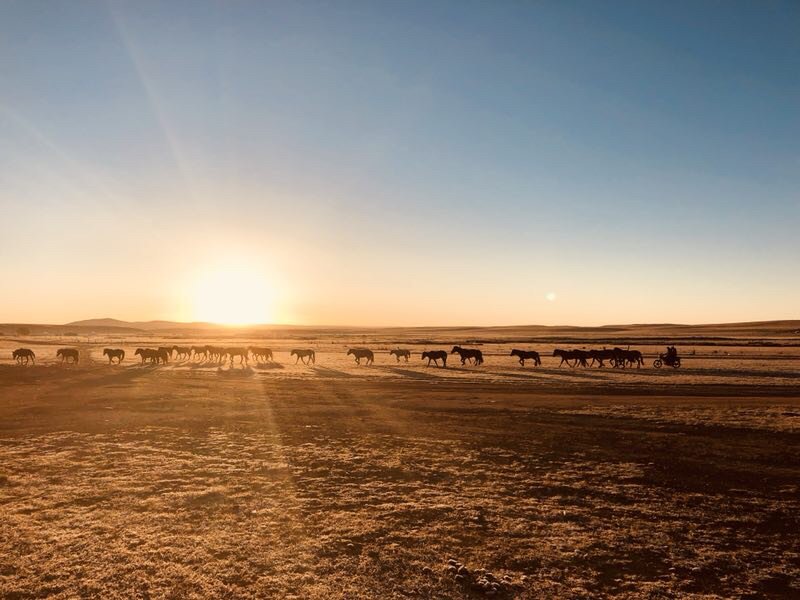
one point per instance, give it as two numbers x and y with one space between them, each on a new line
232 296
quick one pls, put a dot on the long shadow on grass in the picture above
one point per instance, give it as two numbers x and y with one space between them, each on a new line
410 374
331 373
269 366
116 377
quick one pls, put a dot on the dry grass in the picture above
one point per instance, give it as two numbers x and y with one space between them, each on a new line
186 482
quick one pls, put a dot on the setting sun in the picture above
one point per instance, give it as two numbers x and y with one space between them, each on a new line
232 296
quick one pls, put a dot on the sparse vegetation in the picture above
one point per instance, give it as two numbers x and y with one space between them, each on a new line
333 480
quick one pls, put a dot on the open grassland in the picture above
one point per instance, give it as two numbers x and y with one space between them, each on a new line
280 480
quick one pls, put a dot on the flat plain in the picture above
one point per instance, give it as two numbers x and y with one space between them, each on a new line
400 480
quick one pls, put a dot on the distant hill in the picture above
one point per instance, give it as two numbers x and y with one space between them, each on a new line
140 325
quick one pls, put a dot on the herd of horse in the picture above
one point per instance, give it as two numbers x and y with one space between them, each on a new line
616 357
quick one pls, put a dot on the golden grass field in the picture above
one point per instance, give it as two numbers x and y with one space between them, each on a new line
401 481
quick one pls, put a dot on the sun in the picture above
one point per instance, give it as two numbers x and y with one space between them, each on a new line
232 296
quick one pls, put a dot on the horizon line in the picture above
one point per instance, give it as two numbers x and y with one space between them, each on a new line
124 323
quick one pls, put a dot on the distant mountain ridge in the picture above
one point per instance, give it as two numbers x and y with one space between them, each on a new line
140 325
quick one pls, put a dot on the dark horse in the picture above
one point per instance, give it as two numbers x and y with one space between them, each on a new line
303 355
579 356
524 355
260 353
400 353
65 354
602 355
21 353
468 354
436 356
147 354
154 356
182 352
113 353
231 353
360 353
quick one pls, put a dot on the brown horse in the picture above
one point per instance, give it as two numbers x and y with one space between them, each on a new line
579 356
260 354
599 356
215 353
524 355
468 354
65 354
231 353
435 356
199 351
113 353
400 353
25 353
360 353
181 352
622 358
148 354
303 354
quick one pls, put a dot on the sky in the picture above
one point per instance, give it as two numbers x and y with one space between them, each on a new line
400 163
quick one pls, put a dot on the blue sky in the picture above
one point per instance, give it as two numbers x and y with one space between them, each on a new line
404 162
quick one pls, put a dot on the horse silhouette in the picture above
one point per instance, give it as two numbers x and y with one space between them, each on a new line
524 355
579 356
627 357
215 353
360 353
435 356
259 353
182 352
468 354
199 351
231 353
113 353
154 356
307 355
25 353
400 353
65 354
599 356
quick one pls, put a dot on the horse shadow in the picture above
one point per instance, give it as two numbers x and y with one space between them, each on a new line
269 366
465 368
234 372
204 365
331 373
410 374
